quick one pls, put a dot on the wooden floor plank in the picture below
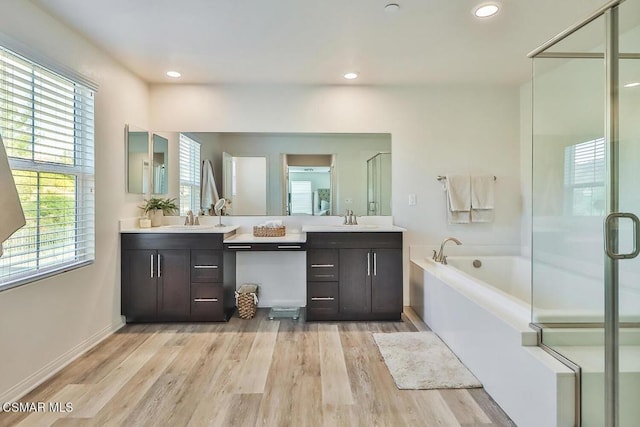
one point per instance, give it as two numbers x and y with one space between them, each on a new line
129 396
465 407
255 367
333 371
249 372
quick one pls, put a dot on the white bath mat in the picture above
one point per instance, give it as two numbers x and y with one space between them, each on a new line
421 361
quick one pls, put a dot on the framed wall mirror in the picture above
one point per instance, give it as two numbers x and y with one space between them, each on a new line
138 166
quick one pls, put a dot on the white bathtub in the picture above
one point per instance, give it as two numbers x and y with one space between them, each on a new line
483 315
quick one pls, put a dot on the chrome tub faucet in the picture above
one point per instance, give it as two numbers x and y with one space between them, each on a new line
440 256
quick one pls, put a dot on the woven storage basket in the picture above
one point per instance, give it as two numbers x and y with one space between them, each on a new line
269 231
247 301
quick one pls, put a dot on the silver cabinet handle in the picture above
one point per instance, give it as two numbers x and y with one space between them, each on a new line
368 264
205 300
151 266
205 266
375 264
159 271
608 238
322 265
288 246
239 246
322 298
323 275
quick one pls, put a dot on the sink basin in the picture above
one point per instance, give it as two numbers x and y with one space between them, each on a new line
187 227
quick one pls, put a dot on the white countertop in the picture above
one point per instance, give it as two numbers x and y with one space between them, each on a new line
182 229
360 228
250 238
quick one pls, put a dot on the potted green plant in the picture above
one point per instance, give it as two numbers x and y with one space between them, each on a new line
156 208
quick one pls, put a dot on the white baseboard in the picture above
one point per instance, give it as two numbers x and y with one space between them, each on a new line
53 367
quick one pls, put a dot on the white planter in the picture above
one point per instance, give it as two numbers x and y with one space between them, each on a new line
156 217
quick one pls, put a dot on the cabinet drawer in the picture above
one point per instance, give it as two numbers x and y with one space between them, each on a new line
207 301
206 266
322 298
322 265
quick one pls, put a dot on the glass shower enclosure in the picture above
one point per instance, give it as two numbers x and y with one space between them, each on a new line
379 184
586 202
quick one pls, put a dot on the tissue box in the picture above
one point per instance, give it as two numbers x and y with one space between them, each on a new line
262 231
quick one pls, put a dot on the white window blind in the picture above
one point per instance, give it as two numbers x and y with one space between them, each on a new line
301 198
189 174
47 124
584 169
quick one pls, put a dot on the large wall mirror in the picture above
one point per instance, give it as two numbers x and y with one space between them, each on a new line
299 174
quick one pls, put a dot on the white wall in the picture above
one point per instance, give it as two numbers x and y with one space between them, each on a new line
44 323
434 130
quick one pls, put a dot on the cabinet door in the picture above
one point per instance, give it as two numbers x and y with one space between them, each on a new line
386 281
173 284
355 281
140 284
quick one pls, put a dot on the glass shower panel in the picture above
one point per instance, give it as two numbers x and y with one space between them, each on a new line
379 184
569 192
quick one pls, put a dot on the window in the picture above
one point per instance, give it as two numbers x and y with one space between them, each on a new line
47 123
189 174
301 198
584 169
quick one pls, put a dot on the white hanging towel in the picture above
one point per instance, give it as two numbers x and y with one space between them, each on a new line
458 199
482 193
208 190
11 214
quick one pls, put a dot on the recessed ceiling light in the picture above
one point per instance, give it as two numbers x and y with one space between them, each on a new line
633 84
173 74
392 7
486 10
351 76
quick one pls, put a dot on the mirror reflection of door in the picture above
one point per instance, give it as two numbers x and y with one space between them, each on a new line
309 184
160 154
244 184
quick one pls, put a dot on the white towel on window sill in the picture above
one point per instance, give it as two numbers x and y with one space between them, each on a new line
11 214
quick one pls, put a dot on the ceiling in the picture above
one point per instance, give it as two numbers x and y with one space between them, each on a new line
317 41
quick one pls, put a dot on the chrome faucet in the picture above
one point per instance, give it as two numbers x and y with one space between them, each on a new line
440 256
350 218
189 219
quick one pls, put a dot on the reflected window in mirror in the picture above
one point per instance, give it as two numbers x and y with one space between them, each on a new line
189 165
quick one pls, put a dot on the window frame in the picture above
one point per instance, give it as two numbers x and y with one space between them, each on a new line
79 165
189 179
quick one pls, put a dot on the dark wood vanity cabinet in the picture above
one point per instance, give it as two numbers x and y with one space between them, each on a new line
176 277
354 276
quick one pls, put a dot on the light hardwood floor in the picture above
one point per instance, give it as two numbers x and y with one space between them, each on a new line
254 372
